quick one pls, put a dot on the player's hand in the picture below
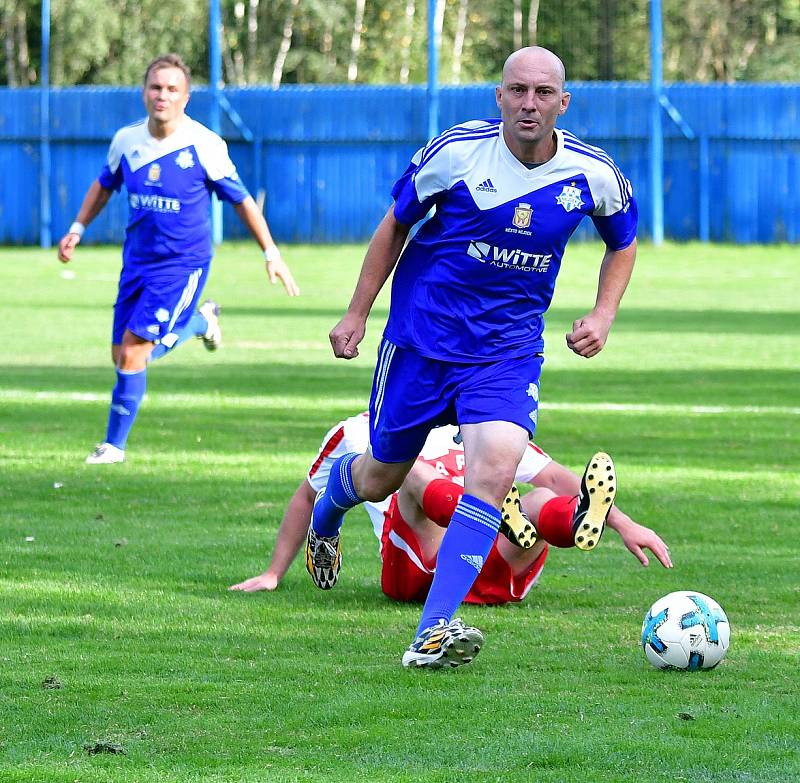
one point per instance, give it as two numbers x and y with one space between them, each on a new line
637 538
265 581
589 334
278 270
66 247
346 336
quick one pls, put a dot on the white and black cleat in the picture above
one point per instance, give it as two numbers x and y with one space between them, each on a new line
212 339
444 645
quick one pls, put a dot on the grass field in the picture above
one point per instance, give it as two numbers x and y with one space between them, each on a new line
113 578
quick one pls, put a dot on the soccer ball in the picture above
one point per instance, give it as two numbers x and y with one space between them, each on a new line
685 630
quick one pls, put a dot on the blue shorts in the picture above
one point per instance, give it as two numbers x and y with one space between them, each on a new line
412 394
155 304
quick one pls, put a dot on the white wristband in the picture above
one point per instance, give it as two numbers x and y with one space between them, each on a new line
77 228
272 254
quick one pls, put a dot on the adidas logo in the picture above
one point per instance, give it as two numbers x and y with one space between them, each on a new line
486 187
476 561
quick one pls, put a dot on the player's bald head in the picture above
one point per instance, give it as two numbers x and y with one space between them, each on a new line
534 58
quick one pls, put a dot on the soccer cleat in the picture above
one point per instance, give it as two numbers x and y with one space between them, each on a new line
444 645
212 339
323 559
105 454
598 488
515 524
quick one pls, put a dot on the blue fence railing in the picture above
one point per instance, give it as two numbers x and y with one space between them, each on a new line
326 157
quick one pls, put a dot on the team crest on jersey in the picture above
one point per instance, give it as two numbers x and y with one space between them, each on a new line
522 215
185 159
570 198
153 174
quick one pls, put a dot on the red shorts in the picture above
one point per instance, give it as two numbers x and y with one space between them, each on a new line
406 576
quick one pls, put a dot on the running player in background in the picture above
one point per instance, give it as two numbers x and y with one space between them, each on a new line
170 164
410 524
463 343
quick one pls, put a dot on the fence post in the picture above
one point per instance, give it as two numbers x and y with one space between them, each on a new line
705 189
45 168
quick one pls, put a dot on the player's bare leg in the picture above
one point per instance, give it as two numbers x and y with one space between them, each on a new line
355 478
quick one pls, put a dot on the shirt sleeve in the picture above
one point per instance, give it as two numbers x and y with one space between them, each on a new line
423 183
220 172
110 176
615 215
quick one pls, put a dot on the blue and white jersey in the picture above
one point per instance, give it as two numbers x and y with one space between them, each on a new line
169 183
473 283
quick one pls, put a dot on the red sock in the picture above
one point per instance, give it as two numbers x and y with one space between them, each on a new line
440 499
555 521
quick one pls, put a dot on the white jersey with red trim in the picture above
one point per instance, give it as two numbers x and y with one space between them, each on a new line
443 450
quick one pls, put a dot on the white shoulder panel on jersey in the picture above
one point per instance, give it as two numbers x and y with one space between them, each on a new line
494 176
434 172
213 153
125 141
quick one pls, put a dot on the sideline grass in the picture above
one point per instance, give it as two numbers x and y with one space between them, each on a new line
121 594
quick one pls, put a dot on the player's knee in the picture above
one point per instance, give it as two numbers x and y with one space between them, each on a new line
132 358
490 481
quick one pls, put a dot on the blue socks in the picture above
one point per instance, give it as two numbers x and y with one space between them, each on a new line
125 401
465 547
339 496
196 327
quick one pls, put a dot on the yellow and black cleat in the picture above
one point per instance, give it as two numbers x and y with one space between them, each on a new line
598 489
515 524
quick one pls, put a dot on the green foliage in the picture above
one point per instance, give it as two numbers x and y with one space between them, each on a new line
120 597
110 41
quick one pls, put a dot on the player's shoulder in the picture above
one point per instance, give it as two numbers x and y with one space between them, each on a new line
462 138
595 160
202 135
130 134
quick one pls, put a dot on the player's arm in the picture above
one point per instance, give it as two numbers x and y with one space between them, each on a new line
93 202
291 536
277 269
636 537
589 333
380 259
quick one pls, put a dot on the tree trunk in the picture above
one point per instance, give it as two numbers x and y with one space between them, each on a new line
252 42
286 43
355 41
517 24
533 22
9 23
458 39
23 58
227 59
407 40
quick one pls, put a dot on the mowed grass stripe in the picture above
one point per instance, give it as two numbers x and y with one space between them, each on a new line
201 400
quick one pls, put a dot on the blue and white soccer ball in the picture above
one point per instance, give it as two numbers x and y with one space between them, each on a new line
685 630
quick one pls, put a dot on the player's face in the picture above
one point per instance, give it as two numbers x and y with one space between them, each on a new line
530 99
166 94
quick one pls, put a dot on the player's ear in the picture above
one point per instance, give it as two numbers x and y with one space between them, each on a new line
498 94
565 96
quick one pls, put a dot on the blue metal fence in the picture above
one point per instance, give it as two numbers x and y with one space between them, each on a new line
326 157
